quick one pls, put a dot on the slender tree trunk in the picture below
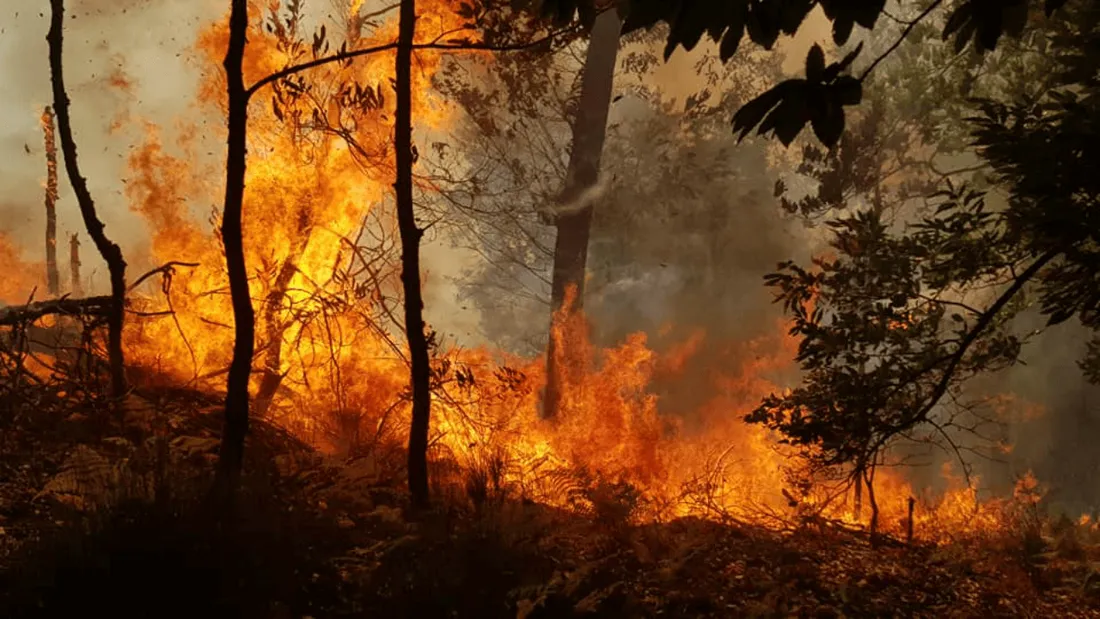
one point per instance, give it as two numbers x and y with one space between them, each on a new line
112 254
869 479
273 327
75 287
420 373
859 496
574 224
231 455
53 279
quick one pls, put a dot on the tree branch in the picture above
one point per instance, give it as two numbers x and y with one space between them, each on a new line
164 268
904 33
350 55
90 306
972 336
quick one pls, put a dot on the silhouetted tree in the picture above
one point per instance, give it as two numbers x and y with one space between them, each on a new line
111 253
895 323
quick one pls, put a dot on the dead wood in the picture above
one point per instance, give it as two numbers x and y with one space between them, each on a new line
21 314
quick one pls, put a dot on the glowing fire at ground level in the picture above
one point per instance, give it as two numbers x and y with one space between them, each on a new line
610 449
333 373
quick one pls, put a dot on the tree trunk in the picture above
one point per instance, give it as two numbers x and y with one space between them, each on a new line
111 252
273 327
420 372
869 479
53 279
858 496
574 221
75 287
231 455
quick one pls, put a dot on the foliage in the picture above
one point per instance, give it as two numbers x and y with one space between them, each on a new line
818 99
902 315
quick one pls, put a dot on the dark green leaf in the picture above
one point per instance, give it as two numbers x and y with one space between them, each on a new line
842 29
847 90
828 122
958 17
815 64
1060 315
732 39
752 113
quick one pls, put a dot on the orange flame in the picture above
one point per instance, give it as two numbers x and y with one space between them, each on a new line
337 364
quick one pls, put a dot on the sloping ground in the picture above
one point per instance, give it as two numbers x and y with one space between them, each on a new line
356 556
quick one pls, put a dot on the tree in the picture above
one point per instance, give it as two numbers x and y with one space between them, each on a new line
573 218
111 253
820 98
231 454
410 262
904 315
53 278
237 396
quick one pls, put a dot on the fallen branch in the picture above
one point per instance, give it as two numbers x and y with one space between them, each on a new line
89 306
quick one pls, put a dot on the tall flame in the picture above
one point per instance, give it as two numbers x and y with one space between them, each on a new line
329 365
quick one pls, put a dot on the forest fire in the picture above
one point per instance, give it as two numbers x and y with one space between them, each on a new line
331 365
789 451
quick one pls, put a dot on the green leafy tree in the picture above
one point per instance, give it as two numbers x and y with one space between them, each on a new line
820 97
895 323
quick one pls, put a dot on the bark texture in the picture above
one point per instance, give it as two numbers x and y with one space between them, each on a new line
53 278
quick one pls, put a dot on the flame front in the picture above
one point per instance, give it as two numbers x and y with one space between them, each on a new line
330 363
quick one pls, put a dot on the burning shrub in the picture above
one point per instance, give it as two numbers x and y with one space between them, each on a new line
613 504
486 477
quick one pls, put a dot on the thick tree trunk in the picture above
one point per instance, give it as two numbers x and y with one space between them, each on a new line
574 220
112 254
53 279
420 372
231 455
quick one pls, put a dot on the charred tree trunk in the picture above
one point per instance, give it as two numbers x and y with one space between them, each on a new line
273 334
53 279
909 522
273 327
869 479
231 454
75 287
858 496
574 219
420 372
112 254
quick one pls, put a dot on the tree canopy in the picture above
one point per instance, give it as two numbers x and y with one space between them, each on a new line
820 98
904 312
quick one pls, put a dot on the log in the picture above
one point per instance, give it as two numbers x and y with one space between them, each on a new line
89 306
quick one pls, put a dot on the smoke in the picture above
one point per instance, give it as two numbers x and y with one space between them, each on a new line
124 61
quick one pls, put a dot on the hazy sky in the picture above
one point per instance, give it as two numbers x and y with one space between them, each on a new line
107 42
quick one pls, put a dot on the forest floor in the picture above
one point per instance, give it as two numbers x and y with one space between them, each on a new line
80 532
